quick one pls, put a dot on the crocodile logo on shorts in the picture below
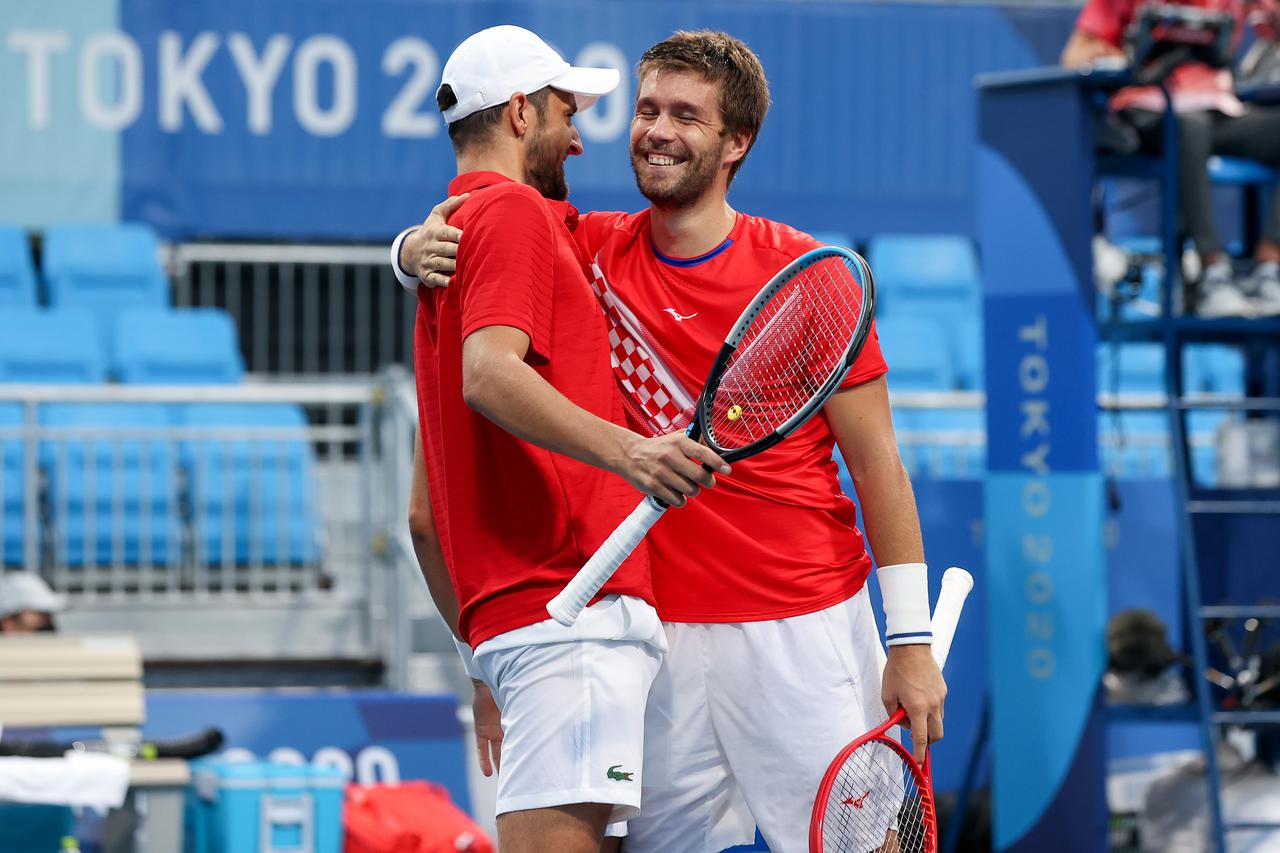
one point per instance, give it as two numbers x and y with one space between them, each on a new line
620 775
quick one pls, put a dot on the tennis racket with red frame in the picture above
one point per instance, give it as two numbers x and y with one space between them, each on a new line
874 797
784 358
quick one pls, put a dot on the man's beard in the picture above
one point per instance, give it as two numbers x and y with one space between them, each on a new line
699 174
544 169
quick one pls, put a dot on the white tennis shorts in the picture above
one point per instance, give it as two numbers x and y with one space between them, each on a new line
743 720
573 709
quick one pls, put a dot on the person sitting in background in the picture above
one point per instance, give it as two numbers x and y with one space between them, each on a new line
1211 120
27 604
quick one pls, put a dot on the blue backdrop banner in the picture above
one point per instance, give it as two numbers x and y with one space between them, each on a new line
316 118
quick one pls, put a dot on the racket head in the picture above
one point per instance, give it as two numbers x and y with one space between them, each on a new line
874 797
788 352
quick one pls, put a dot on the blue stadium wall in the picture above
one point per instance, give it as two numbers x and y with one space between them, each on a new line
314 119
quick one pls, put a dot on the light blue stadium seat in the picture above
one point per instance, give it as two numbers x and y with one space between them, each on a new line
114 495
1141 368
162 346
253 500
12 483
917 353
50 347
944 442
1202 432
1134 445
17 273
967 345
1214 368
104 268
937 274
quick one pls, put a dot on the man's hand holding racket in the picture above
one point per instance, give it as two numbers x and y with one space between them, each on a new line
913 681
671 468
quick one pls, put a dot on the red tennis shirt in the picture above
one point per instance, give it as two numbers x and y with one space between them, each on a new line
778 537
516 521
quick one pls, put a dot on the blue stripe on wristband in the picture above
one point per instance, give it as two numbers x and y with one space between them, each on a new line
892 637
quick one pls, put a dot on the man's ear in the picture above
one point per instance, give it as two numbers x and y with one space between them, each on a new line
518 110
739 144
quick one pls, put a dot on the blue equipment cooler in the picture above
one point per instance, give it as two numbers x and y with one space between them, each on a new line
257 807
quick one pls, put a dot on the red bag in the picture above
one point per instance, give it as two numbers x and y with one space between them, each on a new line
412 817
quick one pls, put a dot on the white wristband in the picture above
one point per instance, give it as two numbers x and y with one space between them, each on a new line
407 281
468 659
904 589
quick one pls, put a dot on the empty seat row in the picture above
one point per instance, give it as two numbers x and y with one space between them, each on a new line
926 354
934 274
118 483
1139 368
112 481
143 346
116 265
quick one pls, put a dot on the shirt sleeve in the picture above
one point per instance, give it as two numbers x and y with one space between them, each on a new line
1106 19
869 364
506 263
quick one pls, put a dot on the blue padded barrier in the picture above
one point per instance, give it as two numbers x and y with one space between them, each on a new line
160 346
253 500
50 347
17 273
113 494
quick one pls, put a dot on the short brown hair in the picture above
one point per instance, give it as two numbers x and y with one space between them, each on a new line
719 58
476 129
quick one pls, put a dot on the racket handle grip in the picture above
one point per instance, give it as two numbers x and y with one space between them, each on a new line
956 584
567 606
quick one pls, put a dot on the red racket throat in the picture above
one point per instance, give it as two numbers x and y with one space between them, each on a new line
874 798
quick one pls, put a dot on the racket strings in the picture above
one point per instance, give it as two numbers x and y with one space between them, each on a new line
876 806
787 354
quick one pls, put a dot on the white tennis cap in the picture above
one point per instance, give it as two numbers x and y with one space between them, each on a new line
492 65
27 591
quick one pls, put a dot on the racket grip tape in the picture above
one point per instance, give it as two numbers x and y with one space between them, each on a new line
956 584
567 605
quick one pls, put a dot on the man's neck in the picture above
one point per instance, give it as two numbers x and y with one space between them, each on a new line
501 159
691 231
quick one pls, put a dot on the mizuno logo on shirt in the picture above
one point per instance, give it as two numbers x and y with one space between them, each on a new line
680 317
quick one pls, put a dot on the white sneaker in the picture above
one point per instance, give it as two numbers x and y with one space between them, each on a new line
1264 287
1220 296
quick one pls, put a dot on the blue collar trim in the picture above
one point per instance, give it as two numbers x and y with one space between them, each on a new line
690 262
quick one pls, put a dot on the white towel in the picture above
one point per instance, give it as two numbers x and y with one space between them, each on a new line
80 779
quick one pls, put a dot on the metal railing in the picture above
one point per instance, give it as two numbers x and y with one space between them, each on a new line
168 500
301 310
